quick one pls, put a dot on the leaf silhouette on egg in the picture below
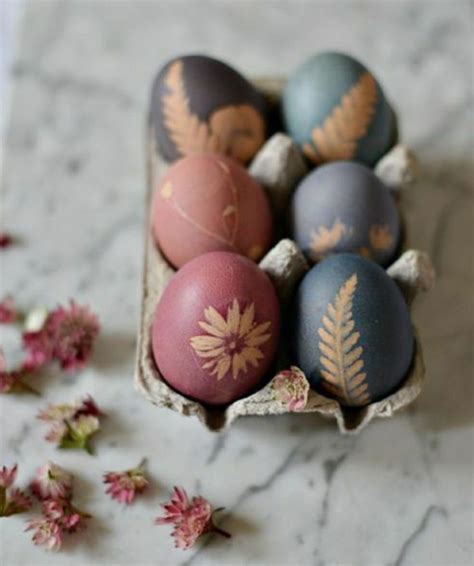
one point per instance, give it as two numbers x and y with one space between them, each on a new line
324 240
341 355
234 130
349 122
380 237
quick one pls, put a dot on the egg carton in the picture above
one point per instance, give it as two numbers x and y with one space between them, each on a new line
279 166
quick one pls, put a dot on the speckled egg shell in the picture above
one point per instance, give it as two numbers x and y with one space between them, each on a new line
334 109
344 207
208 202
200 104
352 334
216 328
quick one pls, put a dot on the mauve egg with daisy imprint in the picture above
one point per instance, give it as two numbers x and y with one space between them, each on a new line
351 330
200 104
334 109
216 328
207 203
345 207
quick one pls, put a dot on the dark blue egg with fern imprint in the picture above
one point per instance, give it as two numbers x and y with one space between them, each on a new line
351 329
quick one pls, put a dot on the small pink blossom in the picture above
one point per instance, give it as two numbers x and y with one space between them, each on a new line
191 519
8 311
74 331
124 486
6 240
291 388
52 482
65 514
47 533
72 425
67 334
12 499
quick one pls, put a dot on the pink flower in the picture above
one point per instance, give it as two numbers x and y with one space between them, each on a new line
52 481
8 311
191 519
291 388
8 476
66 334
72 425
12 500
47 533
65 514
123 486
73 332
5 240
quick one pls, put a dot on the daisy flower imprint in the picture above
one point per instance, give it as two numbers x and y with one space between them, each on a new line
191 519
291 388
72 425
12 500
231 343
123 486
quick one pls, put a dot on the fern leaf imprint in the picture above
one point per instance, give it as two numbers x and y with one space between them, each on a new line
340 351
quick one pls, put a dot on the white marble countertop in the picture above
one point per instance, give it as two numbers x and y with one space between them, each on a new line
296 492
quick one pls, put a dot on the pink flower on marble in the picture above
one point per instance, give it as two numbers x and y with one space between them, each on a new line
291 389
8 311
12 500
124 486
69 518
67 334
191 519
47 532
52 482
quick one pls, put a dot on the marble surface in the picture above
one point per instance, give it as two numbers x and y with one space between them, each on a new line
295 491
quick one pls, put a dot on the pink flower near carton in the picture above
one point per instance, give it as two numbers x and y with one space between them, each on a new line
67 335
191 519
12 499
52 482
291 388
124 486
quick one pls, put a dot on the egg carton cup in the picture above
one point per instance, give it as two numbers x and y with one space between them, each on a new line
278 167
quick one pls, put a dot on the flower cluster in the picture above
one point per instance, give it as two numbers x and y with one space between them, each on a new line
12 380
12 499
66 335
191 519
53 486
123 486
73 425
291 388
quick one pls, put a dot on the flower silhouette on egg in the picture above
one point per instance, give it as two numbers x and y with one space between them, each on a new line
232 342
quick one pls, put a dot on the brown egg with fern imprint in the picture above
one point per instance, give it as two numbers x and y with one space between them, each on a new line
200 104
208 202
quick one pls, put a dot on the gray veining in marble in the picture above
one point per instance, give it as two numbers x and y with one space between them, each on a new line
295 492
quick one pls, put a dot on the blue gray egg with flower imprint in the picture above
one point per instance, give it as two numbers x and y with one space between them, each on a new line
345 207
334 109
351 330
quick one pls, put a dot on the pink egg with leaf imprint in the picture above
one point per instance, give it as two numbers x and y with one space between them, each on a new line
208 202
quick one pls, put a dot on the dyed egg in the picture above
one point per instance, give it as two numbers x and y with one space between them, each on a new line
334 109
344 207
206 203
352 334
200 104
216 328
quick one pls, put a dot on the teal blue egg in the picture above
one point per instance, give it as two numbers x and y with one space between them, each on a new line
334 108
351 330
